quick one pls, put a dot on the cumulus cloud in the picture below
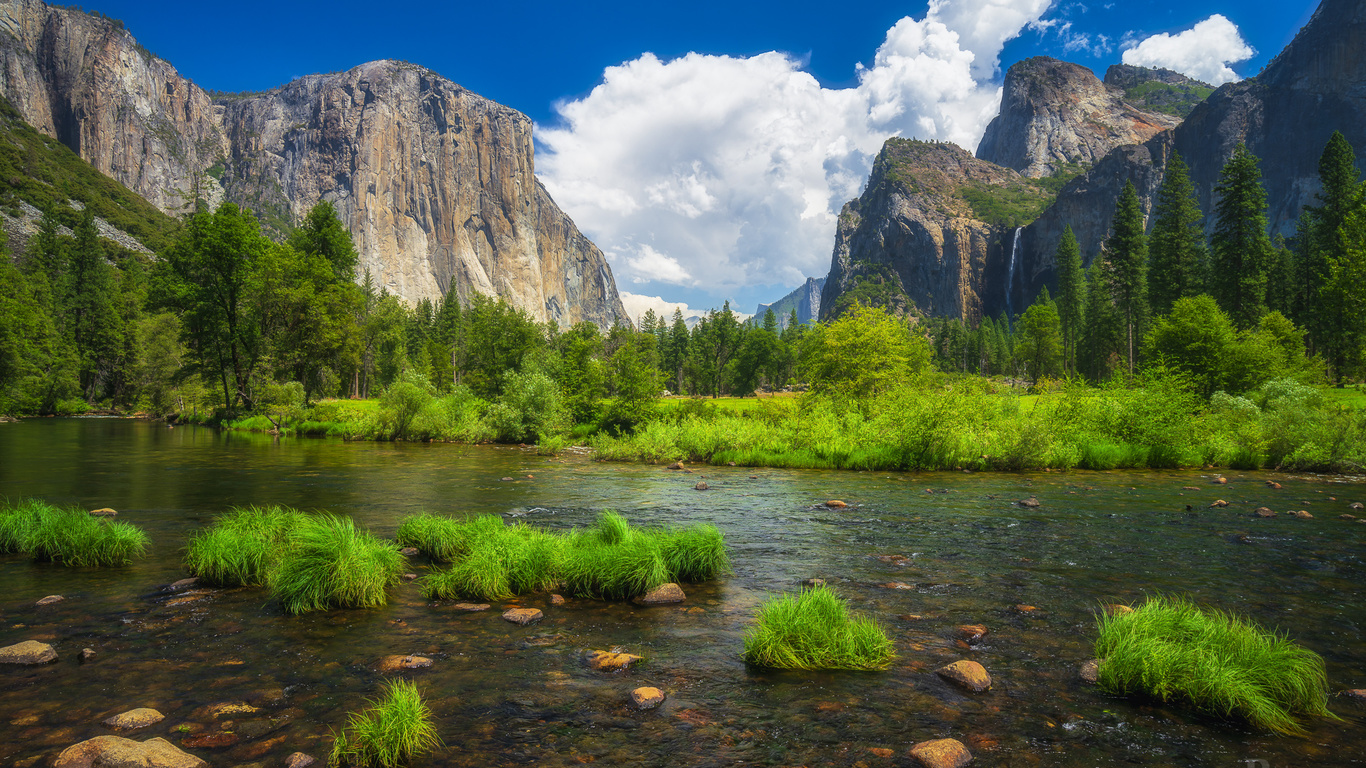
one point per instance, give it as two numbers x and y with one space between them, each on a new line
718 172
1203 52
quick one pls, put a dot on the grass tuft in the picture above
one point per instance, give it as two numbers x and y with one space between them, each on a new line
1175 651
396 729
814 630
71 537
329 563
242 546
695 554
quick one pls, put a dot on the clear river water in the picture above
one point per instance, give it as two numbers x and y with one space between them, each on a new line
505 695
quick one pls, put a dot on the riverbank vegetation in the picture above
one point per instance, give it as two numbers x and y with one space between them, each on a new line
392 732
242 547
815 630
1176 652
70 537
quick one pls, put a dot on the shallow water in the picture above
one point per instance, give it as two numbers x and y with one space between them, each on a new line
506 695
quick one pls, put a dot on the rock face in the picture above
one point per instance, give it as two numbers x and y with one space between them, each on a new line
436 184
1054 113
805 301
1157 90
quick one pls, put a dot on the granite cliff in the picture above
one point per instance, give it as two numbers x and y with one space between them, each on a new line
805 300
436 183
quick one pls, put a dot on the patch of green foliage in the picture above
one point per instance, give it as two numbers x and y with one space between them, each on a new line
1006 205
329 563
1176 652
874 285
71 537
242 547
815 630
396 729
1170 98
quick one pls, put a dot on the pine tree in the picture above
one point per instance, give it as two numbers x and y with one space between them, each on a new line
1101 336
1176 249
1240 252
1322 252
89 304
1126 265
1071 296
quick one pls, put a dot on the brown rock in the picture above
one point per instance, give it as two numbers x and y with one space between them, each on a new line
299 760
1264 512
1115 609
835 504
972 632
1355 505
894 559
942 753
1221 480
207 740
1345 516
1301 514
813 583
27 652
911 617
523 616
897 585
1022 608
1189 488
397 663
611 661
183 584
557 600
1273 484
1029 503
103 512
1358 694
676 465
410 577
701 486
968 674
50 599
661 595
408 552
118 752
87 654
471 607
881 752
647 697
1090 671
135 718
1219 503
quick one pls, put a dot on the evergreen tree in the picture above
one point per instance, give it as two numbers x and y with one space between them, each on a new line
1126 265
1240 252
1323 258
1071 296
1038 343
677 353
1176 249
1102 337
93 324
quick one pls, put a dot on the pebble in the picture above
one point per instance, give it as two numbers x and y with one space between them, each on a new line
523 616
1219 503
408 551
399 662
471 607
87 654
557 599
1115 609
941 753
1029 503
647 697
972 632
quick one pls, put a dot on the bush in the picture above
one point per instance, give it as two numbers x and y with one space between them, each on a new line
401 403
396 729
328 563
243 546
72 537
531 406
813 630
1174 651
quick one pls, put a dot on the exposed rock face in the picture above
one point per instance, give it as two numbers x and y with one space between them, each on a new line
912 238
805 300
1054 113
436 183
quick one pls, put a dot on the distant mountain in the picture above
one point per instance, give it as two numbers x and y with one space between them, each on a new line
806 300
1158 90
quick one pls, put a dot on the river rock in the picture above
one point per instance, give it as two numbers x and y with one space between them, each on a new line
611 661
676 465
661 595
812 583
410 577
941 753
1220 480
206 740
471 607
1090 671
1029 503
299 760
1219 503
836 504
1260 512
1356 694
397 663
118 752
1273 484
972 632
103 512
968 674
1115 609
1355 505
183 584
557 599
1022 608
1345 516
647 697
135 718
523 616
50 599
27 652
1301 514
87 654
701 486
408 552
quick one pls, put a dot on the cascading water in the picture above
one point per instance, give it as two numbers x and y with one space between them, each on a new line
1010 280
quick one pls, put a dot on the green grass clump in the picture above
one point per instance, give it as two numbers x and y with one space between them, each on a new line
445 539
242 546
500 561
396 729
71 537
329 563
695 554
613 560
1174 651
814 630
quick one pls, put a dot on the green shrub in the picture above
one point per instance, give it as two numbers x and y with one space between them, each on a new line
1174 651
396 729
242 546
814 630
329 563
72 537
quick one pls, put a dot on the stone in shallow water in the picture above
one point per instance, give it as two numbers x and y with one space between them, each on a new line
557 600
104 512
881 751
835 504
609 661
299 760
471 607
813 583
972 632
968 674
27 652
118 752
1022 608
1301 514
647 697
523 616
1219 503
87 654
662 595
219 740
1345 516
177 586
408 551
50 599
941 753
1115 609
701 486
1090 671
1356 694
1029 503
135 718
398 663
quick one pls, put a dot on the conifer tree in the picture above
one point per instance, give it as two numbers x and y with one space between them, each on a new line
1101 335
92 323
1071 296
1323 257
1126 265
1176 249
1240 252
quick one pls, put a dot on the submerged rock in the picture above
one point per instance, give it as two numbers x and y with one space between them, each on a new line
941 753
1355 505
611 661
1022 608
104 512
701 486
676 465
218 740
557 599
1115 609
1090 671
27 652
647 697
398 663
523 616
661 595
471 607
135 718
813 583
408 552
1264 512
118 752
972 632
87 654
183 584
897 585
1028 503
299 760
50 599
1273 484
968 674
1220 503
835 504
1357 694
1345 516
1220 480
1301 514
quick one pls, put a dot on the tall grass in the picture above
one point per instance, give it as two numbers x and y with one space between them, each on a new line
70 537
814 630
396 729
242 546
329 563
498 562
1174 651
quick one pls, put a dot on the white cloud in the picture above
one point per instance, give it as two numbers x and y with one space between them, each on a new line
636 306
719 172
1203 52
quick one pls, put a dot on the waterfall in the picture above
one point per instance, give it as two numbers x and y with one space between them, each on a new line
1010 280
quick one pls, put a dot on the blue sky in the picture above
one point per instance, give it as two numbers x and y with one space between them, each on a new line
704 164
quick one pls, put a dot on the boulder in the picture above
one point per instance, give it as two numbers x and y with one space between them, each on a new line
398 663
662 595
611 661
1090 671
968 674
1264 512
676 465
50 599
104 512
135 718
27 652
941 753
701 486
118 752
523 616
1301 514
299 760
1220 503
836 504
972 632
647 697
471 607
1029 503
